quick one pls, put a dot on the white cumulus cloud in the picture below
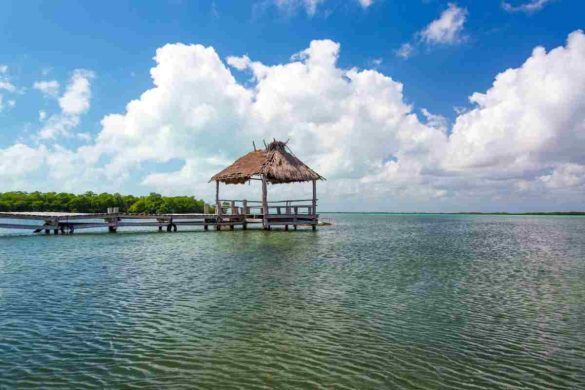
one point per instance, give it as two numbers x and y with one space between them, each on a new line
531 119
240 63
448 28
74 102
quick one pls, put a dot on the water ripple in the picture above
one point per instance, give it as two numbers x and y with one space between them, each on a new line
379 301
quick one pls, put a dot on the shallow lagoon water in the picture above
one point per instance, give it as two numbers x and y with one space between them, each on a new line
374 301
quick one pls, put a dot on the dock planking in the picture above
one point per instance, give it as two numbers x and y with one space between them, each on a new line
225 217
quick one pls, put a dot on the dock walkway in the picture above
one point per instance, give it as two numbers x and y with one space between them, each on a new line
229 214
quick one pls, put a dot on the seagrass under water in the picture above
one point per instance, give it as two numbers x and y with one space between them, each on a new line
375 301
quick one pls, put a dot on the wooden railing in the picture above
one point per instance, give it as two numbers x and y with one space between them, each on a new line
279 207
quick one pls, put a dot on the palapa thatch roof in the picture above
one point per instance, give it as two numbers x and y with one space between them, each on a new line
276 162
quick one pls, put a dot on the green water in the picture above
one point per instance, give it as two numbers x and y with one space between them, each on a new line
374 301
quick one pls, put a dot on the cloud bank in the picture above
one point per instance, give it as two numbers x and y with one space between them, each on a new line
521 140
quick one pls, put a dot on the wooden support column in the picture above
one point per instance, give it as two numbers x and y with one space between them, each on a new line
217 207
112 221
205 211
264 203
234 211
245 213
315 204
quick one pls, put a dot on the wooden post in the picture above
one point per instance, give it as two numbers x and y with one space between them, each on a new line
205 211
234 211
314 196
315 204
245 213
264 203
113 220
217 207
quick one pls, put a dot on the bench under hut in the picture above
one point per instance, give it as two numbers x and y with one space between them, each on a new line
276 164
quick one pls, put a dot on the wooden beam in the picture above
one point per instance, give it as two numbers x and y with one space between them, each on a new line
26 227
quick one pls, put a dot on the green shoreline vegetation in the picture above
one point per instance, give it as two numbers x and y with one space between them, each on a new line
90 202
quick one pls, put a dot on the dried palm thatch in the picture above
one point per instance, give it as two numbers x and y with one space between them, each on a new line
277 163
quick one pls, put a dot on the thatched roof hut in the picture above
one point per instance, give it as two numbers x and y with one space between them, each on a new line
277 163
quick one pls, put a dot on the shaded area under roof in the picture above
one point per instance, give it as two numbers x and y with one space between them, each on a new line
276 162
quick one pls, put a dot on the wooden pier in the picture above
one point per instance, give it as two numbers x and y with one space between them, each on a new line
232 214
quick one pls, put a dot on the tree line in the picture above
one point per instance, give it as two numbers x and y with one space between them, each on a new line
90 202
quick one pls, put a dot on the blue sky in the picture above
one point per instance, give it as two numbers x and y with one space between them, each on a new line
111 45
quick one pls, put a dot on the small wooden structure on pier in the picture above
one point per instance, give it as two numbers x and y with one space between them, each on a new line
274 165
